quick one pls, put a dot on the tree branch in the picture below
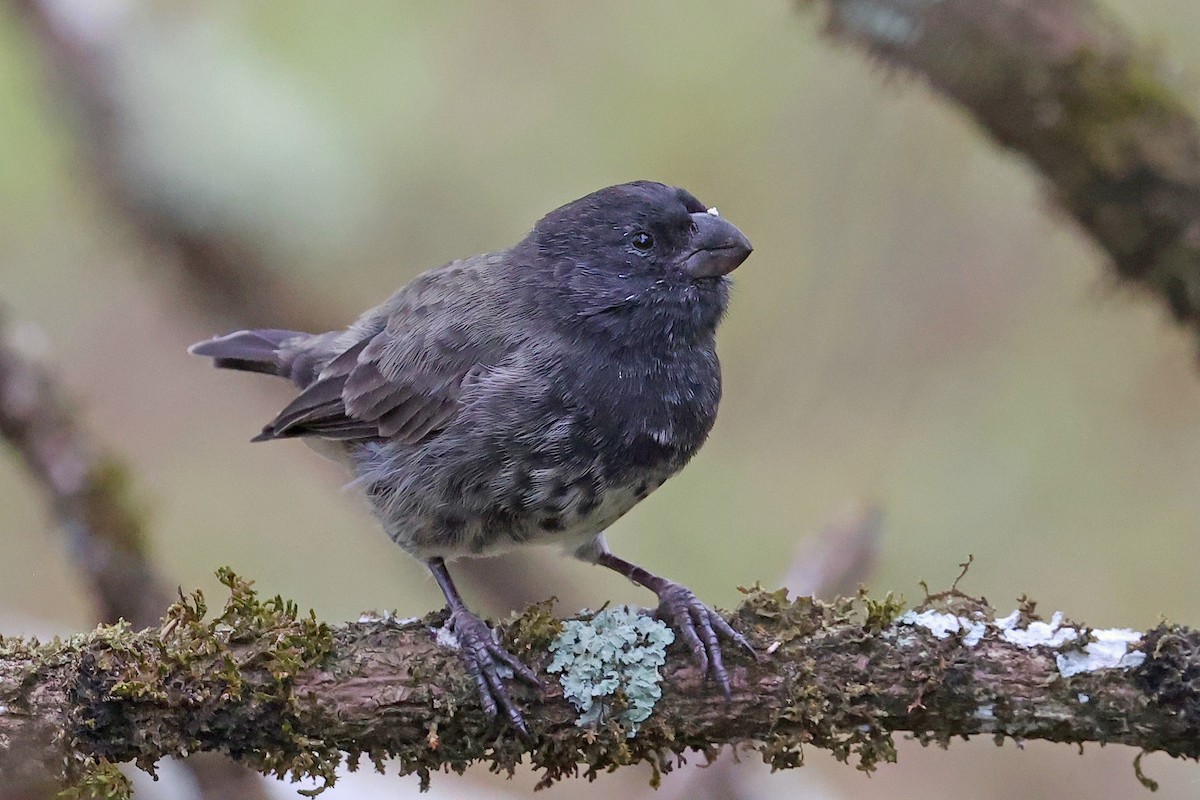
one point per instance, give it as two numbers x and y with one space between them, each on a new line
221 267
89 493
288 695
1062 84
86 487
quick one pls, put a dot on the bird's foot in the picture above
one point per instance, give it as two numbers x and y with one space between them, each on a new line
488 662
699 627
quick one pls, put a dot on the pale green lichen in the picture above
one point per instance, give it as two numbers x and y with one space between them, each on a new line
610 666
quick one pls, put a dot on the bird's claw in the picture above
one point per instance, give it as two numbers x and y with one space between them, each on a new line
486 661
699 626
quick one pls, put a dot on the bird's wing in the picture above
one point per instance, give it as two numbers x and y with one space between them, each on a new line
403 381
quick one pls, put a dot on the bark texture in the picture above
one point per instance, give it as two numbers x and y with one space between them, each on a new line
287 695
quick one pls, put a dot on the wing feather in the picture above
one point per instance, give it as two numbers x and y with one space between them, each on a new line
404 379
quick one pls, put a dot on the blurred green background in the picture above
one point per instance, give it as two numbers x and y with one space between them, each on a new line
917 326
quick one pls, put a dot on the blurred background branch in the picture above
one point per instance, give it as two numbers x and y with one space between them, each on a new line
193 227
91 496
88 490
1061 83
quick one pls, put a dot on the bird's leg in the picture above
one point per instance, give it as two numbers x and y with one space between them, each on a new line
481 653
698 624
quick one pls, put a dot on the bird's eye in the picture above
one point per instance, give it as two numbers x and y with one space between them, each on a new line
642 241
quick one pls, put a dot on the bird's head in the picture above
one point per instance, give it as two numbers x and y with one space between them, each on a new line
642 252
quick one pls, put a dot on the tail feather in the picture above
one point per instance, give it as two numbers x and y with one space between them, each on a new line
250 351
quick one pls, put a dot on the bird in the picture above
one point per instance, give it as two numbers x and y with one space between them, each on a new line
532 395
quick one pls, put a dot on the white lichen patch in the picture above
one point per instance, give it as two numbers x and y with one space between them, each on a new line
446 638
1081 651
942 625
973 631
1037 634
1108 648
388 616
939 623
618 649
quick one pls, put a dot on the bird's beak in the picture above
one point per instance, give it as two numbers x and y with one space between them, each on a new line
718 247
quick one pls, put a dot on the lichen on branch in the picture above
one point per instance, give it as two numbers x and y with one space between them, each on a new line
290 696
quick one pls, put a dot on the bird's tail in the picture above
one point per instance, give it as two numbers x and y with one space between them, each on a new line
266 350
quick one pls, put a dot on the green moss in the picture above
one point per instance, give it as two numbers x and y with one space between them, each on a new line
250 653
99 779
110 507
274 638
881 613
1108 106
530 633
841 719
786 619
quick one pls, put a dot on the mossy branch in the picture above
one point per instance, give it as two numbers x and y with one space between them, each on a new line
290 696
1061 83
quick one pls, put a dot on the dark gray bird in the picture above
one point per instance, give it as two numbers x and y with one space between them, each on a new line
531 395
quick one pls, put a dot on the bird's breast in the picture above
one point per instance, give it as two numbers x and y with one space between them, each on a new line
550 460
658 411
